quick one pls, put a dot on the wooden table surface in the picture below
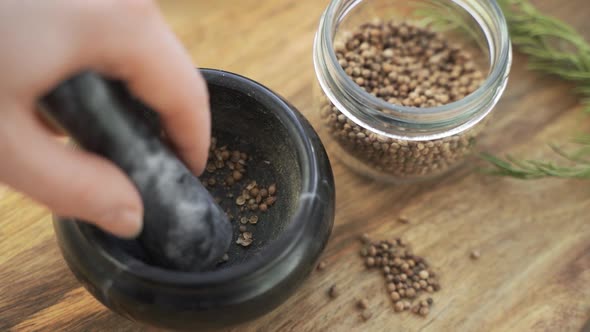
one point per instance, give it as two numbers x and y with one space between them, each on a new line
534 237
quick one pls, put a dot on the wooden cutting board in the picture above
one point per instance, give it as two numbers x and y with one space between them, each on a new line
534 237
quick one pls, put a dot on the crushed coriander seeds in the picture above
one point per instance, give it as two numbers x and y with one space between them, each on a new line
226 171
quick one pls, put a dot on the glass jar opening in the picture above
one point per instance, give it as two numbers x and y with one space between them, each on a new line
479 22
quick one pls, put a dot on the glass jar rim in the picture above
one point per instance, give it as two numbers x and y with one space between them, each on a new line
498 73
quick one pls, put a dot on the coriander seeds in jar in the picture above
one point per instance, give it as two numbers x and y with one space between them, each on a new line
405 88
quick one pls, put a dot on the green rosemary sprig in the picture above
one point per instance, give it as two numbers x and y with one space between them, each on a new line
553 48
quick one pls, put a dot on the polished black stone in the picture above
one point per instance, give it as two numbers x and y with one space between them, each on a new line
257 279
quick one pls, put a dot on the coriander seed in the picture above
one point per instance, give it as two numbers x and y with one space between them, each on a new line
333 292
362 304
366 315
424 311
236 175
365 238
253 220
423 274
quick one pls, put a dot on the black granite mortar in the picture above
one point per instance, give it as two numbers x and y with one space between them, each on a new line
257 279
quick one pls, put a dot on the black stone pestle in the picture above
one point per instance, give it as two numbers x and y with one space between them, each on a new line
184 229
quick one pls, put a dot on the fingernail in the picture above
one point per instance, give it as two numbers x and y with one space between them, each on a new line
126 223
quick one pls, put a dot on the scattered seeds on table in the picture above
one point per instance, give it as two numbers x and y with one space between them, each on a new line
364 252
406 274
365 238
321 266
423 274
424 311
366 315
475 254
362 304
403 220
333 292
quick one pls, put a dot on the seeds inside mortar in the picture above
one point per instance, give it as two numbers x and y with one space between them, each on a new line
227 169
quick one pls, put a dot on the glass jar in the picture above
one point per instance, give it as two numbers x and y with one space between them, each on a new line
393 140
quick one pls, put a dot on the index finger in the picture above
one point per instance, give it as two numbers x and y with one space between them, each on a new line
159 71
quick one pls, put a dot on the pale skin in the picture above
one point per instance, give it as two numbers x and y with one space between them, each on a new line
45 42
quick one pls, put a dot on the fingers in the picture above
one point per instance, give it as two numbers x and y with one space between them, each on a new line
159 71
70 182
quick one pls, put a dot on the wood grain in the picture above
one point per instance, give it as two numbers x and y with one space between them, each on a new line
534 237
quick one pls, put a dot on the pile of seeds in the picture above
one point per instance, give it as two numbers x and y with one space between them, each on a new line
407 275
222 157
227 169
406 65
255 198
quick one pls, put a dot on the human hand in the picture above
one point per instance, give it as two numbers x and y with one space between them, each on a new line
45 42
